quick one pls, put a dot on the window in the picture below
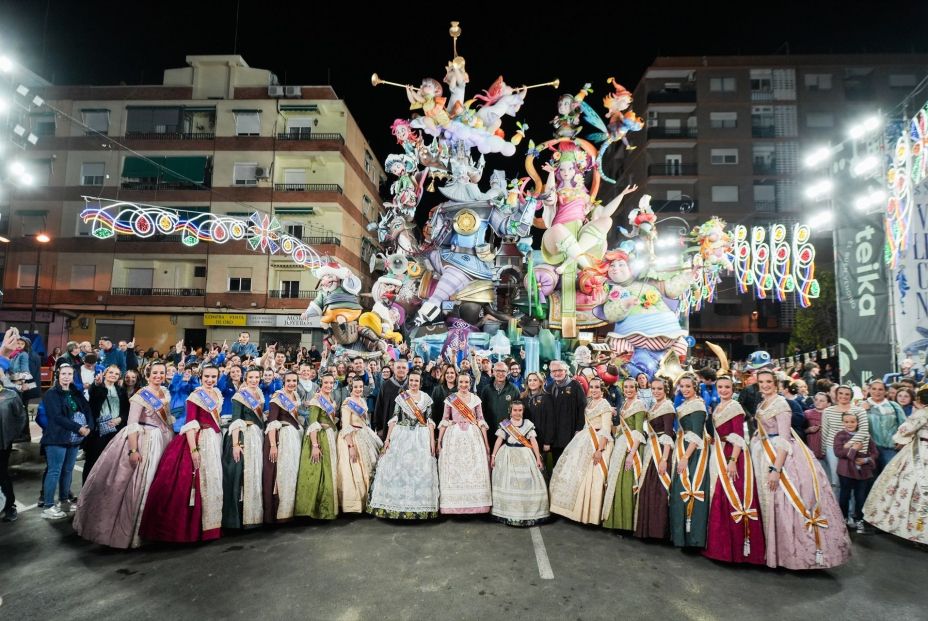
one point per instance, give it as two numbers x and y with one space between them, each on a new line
33 224
166 120
239 284
245 173
289 288
653 118
83 229
724 156
299 126
765 192
248 123
26 275
43 124
367 206
41 172
295 176
97 120
818 81
368 162
295 230
722 85
92 173
761 80
82 277
199 271
140 277
674 195
723 120
901 80
820 119
724 194
673 164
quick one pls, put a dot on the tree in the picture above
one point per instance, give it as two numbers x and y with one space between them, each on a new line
817 326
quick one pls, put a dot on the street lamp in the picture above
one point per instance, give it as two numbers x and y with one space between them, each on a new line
41 238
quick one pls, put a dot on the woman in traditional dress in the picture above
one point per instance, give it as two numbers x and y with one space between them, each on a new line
803 525
185 501
317 487
579 478
520 496
282 438
736 533
652 520
242 458
447 385
464 454
898 501
625 464
358 450
113 496
405 485
689 493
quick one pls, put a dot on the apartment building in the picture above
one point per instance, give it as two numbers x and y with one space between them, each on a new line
225 138
726 136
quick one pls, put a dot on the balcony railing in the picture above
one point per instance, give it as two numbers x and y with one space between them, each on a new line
336 137
682 96
765 205
141 291
308 187
320 240
295 295
154 238
671 132
763 131
161 186
765 168
671 170
171 135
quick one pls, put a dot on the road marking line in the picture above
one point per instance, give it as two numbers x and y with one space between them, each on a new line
541 554
20 507
79 468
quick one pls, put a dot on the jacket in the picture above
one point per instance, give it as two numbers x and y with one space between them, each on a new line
98 395
60 425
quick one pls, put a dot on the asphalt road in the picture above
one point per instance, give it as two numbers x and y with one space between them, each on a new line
460 568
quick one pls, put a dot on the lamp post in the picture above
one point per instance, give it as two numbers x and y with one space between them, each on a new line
41 238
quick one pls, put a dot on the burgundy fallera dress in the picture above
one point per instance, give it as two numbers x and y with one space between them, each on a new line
727 541
176 511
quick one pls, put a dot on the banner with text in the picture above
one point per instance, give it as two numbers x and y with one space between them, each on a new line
911 281
862 289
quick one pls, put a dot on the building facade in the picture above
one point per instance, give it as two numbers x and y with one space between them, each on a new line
226 139
726 136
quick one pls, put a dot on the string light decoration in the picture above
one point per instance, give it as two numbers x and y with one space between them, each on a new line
909 168
262 232
777 266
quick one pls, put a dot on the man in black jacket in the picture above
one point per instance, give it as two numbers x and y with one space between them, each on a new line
389 391
569 407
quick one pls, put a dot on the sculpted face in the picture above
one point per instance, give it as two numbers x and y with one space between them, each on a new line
619 271
328 283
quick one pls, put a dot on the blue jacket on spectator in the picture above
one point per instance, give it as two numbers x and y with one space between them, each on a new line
227 388
113 356
59 424
269 390
248 349
180 390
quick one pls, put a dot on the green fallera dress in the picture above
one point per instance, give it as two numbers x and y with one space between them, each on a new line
688 527
316 487
619 503
242 504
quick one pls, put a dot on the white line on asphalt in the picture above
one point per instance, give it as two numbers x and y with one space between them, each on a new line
79 468
541 554
21 507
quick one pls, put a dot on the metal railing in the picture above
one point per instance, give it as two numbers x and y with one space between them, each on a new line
142 291
763 131
683 96
336 137
295 295
320 240
308 187
672 170
161 186
153 238
765 168
765 205
671 132
171 135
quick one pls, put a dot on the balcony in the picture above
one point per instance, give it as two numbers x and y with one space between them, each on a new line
163 186
135 291
672 96
295 295
672 170
671 132
762 94
769 206
765 168
308 187
334 137
154 238
763 131
322 240
170 135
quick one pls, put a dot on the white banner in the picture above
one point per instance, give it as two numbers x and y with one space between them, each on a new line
911 287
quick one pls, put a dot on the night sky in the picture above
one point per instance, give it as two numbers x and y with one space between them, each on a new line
132 42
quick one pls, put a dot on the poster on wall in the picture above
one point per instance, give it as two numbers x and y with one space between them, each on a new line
862 290
910 279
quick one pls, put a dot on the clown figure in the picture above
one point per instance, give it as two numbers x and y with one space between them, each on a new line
338 302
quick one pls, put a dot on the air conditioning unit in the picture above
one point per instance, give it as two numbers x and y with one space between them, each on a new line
293 91
750 339
261 173
275 91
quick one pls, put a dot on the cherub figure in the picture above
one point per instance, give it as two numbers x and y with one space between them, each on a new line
428 98
567 122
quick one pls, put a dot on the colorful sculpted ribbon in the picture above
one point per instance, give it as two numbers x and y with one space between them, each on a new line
692 490
742 513
515 433
814 521
656 455
413 407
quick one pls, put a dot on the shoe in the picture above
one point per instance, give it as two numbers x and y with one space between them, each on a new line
10 515
72 499
69 507
861 527
53 513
